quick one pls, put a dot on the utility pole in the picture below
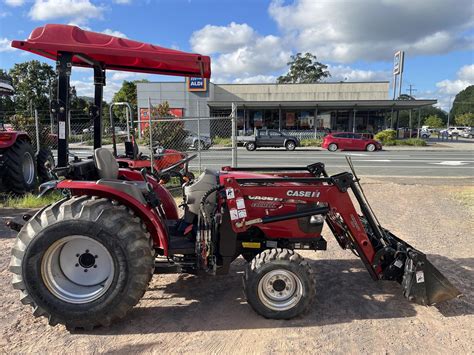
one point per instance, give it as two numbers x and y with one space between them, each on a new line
411 89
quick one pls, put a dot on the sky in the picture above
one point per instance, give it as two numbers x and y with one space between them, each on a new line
251 41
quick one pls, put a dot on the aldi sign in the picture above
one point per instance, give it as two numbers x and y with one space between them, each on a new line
196 84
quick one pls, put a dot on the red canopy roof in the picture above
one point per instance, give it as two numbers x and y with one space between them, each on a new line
113 52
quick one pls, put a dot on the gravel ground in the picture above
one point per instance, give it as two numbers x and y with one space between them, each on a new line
352 314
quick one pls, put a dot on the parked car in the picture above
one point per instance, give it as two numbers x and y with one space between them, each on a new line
468 133
193 140
89 129
454 131
350 141
271 138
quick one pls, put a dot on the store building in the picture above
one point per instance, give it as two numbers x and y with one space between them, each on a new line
340 106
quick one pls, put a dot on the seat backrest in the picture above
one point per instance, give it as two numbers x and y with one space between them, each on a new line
106 165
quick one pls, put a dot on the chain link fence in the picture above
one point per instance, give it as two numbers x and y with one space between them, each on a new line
209 138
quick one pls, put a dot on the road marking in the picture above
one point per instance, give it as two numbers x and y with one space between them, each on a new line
451 163
376 160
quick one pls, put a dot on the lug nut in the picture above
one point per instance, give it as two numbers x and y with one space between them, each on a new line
77 255
95 266
77 265
87 250
85 270
96 256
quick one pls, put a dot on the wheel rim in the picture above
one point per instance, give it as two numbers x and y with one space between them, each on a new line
28 167
77 269
250 146
371 147
332 147
290 146
280 290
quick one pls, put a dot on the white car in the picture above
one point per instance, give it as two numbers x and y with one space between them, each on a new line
468 133
456 131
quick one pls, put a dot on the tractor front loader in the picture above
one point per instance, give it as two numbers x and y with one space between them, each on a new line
86 260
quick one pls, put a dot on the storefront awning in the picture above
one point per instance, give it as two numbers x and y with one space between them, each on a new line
328 105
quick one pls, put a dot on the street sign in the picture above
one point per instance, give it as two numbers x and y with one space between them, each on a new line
398 62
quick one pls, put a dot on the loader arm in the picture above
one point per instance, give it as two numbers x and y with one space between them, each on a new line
385 256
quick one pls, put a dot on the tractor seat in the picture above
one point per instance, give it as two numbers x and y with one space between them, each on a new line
107 168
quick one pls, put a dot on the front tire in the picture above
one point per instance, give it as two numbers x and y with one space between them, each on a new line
251 146
279 284
332 147
82 262
370 147
290 145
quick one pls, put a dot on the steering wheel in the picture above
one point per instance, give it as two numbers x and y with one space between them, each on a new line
170 170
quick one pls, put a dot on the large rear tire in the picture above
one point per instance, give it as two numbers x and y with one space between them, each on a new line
82 262
20 168
279 284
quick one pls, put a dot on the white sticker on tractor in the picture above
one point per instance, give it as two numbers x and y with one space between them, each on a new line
420 277
230 192
240 203
62 130
242 213
234 214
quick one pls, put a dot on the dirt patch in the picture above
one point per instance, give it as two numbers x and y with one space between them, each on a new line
352 314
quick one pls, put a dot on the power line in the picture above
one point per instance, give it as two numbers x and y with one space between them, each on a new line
411 89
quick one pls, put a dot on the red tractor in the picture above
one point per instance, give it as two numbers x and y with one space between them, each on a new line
86 260
162 163
20 165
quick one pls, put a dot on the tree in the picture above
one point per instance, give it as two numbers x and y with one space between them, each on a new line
6 103
466 119
404 116
304 69
31 81
434 121
127 93
463 102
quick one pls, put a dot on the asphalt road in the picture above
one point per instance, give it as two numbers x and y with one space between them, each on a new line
416 162
383 163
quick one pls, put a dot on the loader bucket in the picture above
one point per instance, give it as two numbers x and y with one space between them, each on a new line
423 283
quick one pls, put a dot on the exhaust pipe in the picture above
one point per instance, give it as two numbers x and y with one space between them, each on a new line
423 283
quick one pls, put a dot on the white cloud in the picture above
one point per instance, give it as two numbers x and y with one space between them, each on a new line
122 2
212 39
110 32
239 52
447 89
77 10
5 45
14 3
256 79
465 77
346 73
346 31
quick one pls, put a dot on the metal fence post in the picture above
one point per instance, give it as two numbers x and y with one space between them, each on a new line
234 134
151 135
199 139
37 132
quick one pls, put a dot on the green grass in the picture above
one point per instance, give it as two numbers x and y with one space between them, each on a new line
414 142
222 142
30 200
311 142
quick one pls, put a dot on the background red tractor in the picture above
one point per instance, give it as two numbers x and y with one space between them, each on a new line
20 164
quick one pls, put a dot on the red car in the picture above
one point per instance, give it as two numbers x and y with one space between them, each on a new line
350 141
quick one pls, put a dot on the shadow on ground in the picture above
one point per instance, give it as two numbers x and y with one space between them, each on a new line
345 293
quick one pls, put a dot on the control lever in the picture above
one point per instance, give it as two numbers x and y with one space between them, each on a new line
151 197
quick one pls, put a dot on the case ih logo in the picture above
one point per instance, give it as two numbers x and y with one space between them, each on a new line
197 84
296 193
